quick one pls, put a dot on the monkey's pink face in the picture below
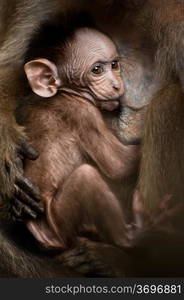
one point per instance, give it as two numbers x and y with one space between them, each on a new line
105 83
95 68
91 69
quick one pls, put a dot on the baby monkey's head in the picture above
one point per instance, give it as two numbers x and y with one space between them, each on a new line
87 65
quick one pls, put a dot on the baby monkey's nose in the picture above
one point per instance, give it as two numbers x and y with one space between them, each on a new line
116 85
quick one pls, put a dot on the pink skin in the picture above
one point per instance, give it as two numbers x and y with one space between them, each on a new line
90 69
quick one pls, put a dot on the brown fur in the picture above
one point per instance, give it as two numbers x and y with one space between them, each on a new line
164 126
152 30
157 243
80 168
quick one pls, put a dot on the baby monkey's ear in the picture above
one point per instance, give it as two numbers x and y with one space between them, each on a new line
43 77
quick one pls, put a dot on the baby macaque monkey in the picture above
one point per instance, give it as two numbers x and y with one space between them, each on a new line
81 162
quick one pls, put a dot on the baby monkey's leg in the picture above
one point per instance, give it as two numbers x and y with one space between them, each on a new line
86 195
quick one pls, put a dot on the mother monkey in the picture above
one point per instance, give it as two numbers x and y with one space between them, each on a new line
149 35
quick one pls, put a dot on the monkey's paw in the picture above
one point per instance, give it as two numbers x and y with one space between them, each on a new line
19 198
26 201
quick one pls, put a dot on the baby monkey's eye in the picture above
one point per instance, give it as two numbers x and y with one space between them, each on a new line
115 64
98 69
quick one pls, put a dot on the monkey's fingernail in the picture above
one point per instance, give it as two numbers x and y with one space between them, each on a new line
41 209
28 211
33 215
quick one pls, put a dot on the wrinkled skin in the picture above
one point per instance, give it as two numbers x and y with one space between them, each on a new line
138 63
122 20
144 72
138 49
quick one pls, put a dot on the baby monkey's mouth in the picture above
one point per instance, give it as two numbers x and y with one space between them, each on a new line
108 105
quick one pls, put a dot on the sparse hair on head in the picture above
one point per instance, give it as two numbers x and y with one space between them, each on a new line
51 35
